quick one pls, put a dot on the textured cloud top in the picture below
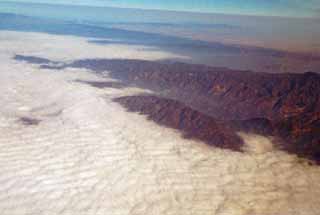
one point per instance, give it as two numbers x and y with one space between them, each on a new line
67 148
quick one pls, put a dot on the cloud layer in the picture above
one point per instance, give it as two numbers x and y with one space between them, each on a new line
87 155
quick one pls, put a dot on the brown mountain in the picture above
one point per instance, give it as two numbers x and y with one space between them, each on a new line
177 115
284 105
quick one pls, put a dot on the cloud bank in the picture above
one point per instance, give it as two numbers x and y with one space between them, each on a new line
87 155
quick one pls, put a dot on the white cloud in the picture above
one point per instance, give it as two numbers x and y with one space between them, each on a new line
89 156
49 46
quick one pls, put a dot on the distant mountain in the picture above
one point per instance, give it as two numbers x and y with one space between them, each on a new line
213 52
212 104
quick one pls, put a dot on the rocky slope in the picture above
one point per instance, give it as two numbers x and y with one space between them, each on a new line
192 123
284 105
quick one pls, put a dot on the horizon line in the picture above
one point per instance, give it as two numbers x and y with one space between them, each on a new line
165 10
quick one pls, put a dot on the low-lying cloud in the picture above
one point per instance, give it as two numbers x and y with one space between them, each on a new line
89 156
69 48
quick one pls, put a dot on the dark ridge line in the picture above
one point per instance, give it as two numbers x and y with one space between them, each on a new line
191 123
198 126
286 104
92 64
32 59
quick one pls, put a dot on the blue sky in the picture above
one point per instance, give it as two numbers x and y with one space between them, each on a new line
305 8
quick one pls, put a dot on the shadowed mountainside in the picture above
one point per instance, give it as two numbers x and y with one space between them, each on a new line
284 105
192 123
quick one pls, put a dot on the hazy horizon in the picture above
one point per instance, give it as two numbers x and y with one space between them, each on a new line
281 33
284 8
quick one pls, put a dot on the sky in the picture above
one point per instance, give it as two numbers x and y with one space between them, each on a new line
291 8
